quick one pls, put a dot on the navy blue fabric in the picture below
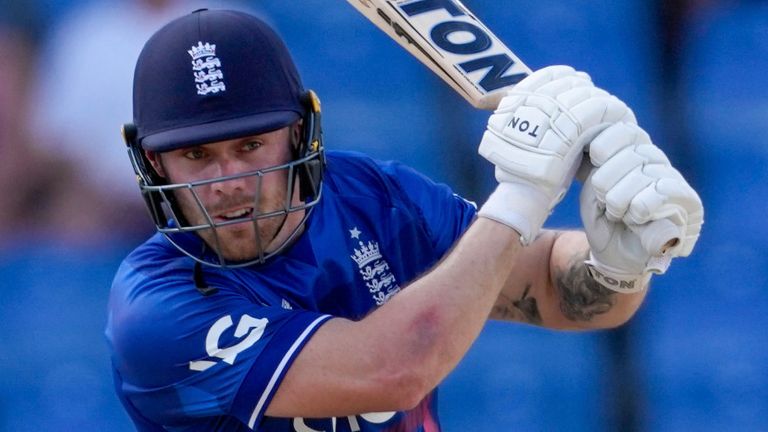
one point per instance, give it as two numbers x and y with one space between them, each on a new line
213 75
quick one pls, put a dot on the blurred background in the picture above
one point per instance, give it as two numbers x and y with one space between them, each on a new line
694 358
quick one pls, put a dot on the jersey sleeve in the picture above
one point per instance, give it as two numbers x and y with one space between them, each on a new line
182 356
446 215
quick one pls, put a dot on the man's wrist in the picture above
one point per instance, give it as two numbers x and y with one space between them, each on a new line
518 205
616 280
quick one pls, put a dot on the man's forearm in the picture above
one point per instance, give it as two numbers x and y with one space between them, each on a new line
450 305
549 286
582 301
391 359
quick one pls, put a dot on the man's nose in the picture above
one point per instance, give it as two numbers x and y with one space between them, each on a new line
228 168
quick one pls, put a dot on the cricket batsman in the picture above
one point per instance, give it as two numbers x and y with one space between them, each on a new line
294 288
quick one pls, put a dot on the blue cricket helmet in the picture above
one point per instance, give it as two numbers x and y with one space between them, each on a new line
216 75
213 75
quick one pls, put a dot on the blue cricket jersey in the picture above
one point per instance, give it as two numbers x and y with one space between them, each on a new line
212 363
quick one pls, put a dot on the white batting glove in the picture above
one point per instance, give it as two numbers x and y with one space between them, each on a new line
633 202
536 138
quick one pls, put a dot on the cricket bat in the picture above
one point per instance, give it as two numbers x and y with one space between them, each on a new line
451 41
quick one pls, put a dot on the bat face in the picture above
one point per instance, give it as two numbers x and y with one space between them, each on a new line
450 40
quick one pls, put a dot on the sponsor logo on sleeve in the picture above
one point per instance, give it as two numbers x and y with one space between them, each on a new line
249 330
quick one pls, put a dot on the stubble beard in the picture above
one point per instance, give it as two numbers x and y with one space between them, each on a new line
239 241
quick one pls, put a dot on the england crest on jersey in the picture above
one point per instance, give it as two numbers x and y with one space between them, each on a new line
374 269
205 66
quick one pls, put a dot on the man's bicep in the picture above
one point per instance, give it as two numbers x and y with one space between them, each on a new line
549 286
528 295
336 374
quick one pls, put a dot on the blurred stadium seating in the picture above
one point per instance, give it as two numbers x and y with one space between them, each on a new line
365 81
528 379
54 359
702 335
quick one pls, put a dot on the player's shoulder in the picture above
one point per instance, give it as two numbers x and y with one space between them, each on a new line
156 272
154 300
154 260
145 278
353 162
153 281
351 165
355 173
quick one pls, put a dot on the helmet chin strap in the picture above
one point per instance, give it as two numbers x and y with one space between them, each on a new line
295 145
292 184
279 228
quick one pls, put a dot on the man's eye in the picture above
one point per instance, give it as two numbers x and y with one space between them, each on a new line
194 154
251 145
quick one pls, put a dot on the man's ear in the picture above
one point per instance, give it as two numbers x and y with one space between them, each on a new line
296 132
154 158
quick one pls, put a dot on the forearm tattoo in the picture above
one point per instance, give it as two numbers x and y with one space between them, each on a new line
581 297
524 309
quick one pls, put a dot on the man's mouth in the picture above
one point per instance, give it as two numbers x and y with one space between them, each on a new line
236 214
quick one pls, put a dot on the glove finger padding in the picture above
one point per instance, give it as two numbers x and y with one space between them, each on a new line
595 113
617 184
546 75
635 182
618 259
555 120
537 135
574 88
614 139
672 199
622 163
632 202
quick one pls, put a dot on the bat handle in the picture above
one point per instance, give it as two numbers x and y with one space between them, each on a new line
658 237
491 101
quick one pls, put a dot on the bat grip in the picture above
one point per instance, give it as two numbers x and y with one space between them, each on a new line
491 101
658 237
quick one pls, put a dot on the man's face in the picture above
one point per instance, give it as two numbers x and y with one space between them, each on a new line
237 198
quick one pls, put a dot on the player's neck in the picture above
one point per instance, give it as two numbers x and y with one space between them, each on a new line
291 228
292 224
